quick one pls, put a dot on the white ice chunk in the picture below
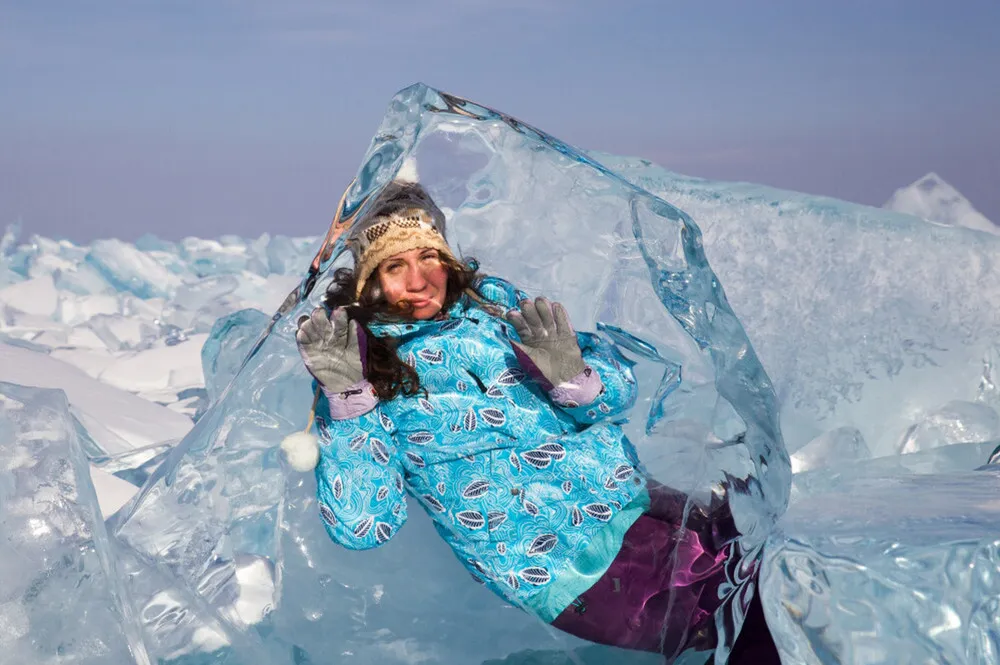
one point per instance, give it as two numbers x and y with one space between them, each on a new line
176 367
55 337
955 422
82 279
148 309
206 257
264 293
17 325
120 333
9 238
255 578
135 420
47 264
204 292
84 337
129 269
92 361
844 444
933 199
37 296
73 309
112 492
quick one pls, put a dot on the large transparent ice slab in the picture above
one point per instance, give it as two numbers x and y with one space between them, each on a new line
864 318
955 458
539 213
889 568
228 344
62 597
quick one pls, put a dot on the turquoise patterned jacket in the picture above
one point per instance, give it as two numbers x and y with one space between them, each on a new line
515 483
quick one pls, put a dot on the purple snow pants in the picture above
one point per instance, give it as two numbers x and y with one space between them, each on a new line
660 592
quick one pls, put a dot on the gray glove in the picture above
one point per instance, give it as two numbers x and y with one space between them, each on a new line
547 339
330 351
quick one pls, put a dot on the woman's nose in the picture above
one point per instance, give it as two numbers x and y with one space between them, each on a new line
415 279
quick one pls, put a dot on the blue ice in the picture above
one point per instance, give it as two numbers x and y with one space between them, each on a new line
778 322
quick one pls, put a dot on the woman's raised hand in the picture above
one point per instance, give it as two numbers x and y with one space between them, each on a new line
548 339
330 349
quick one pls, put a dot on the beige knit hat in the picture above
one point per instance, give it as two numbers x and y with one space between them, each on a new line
403 217
397 232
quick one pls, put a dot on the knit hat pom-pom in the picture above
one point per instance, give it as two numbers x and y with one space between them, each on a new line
408 171
301 451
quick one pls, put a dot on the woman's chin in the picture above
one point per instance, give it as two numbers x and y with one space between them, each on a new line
424 310
425 313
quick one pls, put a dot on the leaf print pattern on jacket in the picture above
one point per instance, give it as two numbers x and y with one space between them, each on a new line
516 484
355 487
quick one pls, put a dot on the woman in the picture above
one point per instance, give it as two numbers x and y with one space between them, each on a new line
500 420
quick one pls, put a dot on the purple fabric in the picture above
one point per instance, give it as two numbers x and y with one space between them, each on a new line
661 591
357 400
581 390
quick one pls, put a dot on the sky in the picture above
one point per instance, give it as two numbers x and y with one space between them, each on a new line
208 117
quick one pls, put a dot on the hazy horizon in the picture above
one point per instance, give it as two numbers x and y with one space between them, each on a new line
245 117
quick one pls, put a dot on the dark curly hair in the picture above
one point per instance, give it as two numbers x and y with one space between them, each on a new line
384 369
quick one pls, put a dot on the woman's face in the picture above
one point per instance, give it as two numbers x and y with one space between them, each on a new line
415 281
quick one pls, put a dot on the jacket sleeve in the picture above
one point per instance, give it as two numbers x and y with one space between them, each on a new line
610 377
500 292
359 478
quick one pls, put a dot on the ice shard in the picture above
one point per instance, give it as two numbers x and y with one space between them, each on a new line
63 598
228 343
